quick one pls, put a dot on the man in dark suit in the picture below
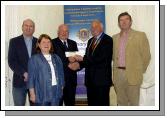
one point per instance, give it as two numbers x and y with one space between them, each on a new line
97 63
61 45
20 50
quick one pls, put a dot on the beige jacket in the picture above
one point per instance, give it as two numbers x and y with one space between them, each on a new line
137 56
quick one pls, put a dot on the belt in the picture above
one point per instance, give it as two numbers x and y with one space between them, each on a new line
121 68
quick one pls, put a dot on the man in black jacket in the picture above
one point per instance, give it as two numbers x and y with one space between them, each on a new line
20 50
61 45
97 63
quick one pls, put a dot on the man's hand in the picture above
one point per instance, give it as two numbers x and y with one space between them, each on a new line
78 58
74 66
71 59
25 76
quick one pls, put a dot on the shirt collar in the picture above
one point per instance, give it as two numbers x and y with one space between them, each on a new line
99 35
63 41
27 38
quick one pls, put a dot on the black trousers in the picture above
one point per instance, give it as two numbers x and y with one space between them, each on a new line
98 95
69 92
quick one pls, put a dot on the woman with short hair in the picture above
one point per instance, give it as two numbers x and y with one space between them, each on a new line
45 74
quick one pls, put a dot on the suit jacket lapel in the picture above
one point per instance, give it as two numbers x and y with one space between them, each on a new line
117 41
60 43
33 51
97 46
130 37
23 47
69 45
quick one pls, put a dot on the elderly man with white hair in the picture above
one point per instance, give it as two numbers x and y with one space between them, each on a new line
97 64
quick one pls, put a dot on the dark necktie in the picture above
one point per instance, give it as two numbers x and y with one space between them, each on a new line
65 45
93 43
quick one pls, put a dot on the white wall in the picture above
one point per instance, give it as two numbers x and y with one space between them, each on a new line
47 19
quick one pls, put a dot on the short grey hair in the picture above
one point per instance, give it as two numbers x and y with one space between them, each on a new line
29 20
98 21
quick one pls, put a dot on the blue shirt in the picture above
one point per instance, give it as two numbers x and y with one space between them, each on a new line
28 42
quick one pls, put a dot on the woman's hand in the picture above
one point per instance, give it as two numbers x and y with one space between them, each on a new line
32 95
32 98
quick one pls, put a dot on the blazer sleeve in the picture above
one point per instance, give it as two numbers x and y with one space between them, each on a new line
145 52
75 46
13 59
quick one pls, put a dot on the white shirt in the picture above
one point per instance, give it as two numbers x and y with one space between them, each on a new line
48 58
64 41
99 35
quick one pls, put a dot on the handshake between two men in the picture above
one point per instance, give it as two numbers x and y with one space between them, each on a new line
74 62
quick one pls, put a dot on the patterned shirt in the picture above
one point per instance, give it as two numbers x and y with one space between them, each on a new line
122 48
